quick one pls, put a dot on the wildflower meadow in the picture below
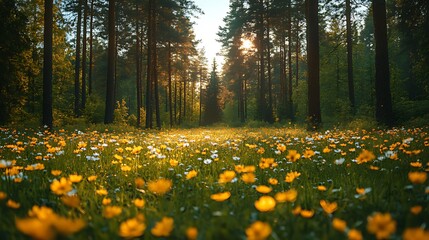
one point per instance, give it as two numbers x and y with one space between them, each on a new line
214 183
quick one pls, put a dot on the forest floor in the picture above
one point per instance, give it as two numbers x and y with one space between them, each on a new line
215 183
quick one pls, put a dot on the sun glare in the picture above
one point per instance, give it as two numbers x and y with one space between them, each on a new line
246 45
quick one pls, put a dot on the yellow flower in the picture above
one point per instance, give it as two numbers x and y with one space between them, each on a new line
416 209
111 211
71 201
281 147
35 228
265 204
191 233
248 177
61 187
267 163
139 182
263 189
191 174
220 197
321 188
288 196
74 178
132 228
290 177
293 155
308 153
339 224
297 210
12 204
306 213
365 156
382 225
354 235
3 195
273 181
125 168
101 192
258 231
417 177
106 201
92 178
226 176
160 186
56 172
137 150
328 207
138 202
360 191
415 234
416 164
326 150
174 162
65 226
163 228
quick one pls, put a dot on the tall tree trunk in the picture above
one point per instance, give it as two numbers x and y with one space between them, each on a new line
262 108
170 101
269 117
138 70
289 58
297 52
350 56
201 96
77 60
150 60
185 82
110 85
47 64
383 99
85 17
91 26
314 115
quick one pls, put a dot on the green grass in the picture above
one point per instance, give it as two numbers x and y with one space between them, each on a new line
189 202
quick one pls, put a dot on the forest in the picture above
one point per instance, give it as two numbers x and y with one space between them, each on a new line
139 63
115 125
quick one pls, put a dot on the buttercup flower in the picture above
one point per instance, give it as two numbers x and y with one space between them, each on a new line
258 231
415 234
138 202
417 177
132 228
263 189
111 211
74 178
382 225
328 207
365 156
293 155
290 177
220 197
163 228
226 176
160 186
339 224
191 174
288 196
191 233
248 177
265 204
61 187
354 235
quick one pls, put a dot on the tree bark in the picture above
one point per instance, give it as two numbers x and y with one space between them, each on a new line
85 16
77 60
314 114
138 69
383 99
91 26
47 64
350 56
110 86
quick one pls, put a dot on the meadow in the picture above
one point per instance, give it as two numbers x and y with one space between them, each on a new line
214 183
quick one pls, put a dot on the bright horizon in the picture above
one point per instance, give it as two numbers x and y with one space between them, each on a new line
207 25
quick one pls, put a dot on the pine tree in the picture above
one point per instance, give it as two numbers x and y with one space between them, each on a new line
212 109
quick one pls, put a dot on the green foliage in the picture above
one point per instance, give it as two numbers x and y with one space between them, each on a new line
94 109
121 113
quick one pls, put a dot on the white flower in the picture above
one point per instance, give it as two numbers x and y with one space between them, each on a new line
207 161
